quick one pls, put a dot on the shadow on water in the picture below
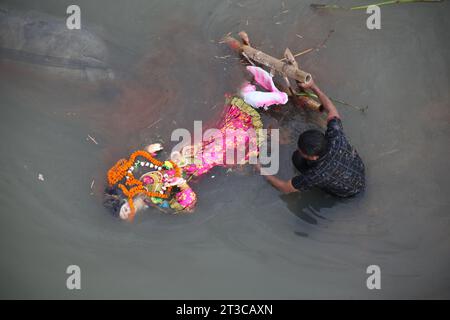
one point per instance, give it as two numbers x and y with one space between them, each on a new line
309 204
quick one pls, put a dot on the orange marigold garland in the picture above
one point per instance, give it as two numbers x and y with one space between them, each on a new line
124 169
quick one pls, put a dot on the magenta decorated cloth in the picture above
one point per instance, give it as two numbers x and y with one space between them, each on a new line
235 139
186 198
148 180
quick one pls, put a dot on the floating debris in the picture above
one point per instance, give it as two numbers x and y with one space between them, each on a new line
388 152
333 6
222 57
300 53
92 139
312 95
223 40
362 109
154 123
41 177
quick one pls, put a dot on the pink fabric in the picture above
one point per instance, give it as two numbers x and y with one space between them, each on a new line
148 180
258 99
213 153
186 198
247 87
263 78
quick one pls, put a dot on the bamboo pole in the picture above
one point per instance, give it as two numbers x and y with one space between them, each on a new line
303 100
272 63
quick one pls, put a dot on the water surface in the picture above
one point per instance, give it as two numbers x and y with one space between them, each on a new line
244 239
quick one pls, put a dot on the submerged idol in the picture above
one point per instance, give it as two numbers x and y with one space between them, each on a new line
142 180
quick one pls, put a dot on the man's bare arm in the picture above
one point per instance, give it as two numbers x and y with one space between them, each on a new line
327 104
284 186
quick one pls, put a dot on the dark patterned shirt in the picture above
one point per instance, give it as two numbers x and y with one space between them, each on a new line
340 171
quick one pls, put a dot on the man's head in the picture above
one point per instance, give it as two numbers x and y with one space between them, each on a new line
312 144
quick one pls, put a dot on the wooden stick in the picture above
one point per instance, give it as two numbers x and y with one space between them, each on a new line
307 102
290 57
269 61
291 60
288 85
303 101
318 47
244 37
92 139
247 58
300 53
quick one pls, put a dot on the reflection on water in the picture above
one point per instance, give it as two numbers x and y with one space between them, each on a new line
244 240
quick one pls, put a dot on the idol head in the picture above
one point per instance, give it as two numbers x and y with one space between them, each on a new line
116 203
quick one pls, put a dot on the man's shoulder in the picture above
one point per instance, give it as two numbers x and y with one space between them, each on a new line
334 127
336 137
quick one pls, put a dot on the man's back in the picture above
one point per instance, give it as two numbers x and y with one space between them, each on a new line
340 171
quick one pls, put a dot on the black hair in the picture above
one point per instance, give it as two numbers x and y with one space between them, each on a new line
312 143
113 200
298 161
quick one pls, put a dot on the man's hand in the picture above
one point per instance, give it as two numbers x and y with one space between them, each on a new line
281 185
308 85
284 186
153 148
327 104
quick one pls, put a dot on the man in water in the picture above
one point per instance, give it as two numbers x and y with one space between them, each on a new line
326 161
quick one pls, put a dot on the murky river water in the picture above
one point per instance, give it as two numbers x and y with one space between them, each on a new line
244 239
